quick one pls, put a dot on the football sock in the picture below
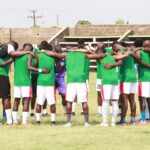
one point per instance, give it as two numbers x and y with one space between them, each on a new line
114 111
100 109
32 111
53 117
86 117
133 119
44 111
143 116
74 107
9 116
105 110
15 116
68 117
24 117
37 116
123 119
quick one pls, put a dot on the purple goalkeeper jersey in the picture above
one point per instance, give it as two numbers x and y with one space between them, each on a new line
62 73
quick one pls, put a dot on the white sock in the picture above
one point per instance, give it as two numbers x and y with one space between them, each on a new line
100 109
44 111
9 116
53 117
110 109
38 116
114 111
74 107
24 117
105 110
64 108
15 116
32 111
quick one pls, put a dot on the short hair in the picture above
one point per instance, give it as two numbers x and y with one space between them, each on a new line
115 43
3 51
124 44
15 44
44 45
27 44
138 43
81 41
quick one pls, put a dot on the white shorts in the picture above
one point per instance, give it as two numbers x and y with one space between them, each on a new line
87 85
98 84
128 87
144 89
22 91
46 93
76 89
110 92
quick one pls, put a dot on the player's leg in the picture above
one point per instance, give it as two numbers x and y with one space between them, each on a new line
27 95
70 96
6 98
74 106
15 110
106 95
114 96
132 108
34 78
125 90
133 91
53 114
18 96
148 103
61 86
51 100
41 96
82 97
44 112
99 97
26 102
110 106
143 93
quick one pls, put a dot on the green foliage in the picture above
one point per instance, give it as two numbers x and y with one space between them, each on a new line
83 22
120 22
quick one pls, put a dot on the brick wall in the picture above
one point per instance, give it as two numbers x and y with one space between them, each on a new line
108 30
23 35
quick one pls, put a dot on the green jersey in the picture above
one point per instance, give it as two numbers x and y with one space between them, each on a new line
109 76
143 72
127 70
87 69
99 75
21 73
45 61
108 50
75 66
4 70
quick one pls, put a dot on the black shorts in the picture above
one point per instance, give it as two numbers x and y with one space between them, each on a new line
34 78
4 87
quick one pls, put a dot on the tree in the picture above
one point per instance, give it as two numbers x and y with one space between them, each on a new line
120 21
83 22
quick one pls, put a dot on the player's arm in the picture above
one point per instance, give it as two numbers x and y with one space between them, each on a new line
9 61
30 67
14 53
83 51
122 56
144 64
95 56
116 64
54 54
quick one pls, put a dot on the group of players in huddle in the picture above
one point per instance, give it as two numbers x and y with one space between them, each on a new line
39 71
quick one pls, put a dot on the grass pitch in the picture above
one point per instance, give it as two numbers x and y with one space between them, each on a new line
46 137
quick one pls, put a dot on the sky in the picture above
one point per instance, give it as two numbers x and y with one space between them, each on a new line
14 13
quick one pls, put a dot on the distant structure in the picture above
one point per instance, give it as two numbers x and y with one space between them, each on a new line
34 17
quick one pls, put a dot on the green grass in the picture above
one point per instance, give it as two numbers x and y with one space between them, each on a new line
45 137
